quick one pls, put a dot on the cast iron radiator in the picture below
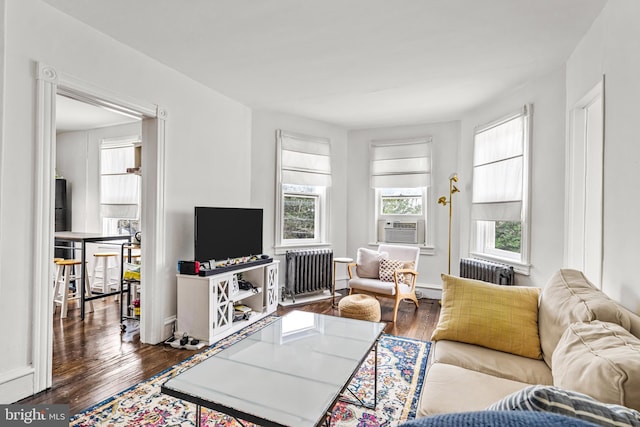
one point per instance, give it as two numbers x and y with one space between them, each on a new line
308 271
487 271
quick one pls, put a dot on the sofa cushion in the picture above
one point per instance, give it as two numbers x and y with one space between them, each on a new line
377 286
569 297
388 268
569 403
492 362
449 388
368 263
503 318
599 359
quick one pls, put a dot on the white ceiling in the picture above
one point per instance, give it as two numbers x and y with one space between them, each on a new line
354 63
72 115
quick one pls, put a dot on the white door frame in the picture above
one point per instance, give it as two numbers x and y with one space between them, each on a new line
584 208
49 83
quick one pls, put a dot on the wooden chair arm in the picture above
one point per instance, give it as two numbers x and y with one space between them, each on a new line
349 267
405 271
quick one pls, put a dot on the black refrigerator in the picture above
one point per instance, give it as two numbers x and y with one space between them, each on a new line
62 218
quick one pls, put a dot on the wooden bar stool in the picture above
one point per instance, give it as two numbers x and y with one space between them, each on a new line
63 293
102 279
55 273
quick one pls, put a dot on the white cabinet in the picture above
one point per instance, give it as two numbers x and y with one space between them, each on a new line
271 287
205 304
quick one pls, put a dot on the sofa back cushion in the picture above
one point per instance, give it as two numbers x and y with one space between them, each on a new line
403 253
600 359
569 297
635 322
503 318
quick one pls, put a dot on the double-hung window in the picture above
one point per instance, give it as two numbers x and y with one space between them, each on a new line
499 209
304 181
401 177
119 190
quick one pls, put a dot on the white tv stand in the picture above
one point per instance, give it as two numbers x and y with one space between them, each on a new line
205 304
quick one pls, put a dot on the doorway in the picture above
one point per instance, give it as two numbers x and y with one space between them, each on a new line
96 192
50 84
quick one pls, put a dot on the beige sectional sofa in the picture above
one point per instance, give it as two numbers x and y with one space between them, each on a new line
587 343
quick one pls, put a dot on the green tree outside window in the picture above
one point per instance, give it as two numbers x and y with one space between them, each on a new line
508 236
299 217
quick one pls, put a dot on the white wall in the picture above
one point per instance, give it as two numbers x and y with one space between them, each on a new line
263 168
547 172
446 137
207 138
77 160
611 48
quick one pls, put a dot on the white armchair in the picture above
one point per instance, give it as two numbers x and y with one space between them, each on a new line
398 278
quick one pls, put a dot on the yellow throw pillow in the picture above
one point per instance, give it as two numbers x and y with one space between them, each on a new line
503 318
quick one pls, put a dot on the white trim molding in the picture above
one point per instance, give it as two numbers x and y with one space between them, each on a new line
584 184
155 271
47 79
16 384
3 26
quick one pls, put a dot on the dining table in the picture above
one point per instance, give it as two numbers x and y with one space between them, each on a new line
82 238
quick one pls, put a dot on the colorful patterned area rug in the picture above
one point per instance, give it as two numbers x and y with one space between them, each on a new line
401 368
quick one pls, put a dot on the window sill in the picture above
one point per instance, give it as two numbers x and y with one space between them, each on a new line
424 249
281 250
518 267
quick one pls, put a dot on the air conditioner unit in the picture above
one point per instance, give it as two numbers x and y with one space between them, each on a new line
401 231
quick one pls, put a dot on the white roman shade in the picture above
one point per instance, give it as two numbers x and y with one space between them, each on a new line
304 160
119 211
401 164
119 191
498 170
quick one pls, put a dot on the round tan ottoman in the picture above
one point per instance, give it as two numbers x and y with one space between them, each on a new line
359 306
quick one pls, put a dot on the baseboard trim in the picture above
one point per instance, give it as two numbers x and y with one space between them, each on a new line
169 326
16 384
306 299
429 291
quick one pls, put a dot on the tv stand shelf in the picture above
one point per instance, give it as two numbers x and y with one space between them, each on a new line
245 294
206 303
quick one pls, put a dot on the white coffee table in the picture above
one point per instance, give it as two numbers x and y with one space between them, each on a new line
290 373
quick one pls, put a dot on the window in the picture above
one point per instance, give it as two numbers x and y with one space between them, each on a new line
500 188
301 205
401 201
304 179
119 190
400 177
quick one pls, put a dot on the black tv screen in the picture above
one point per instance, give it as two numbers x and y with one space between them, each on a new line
222 233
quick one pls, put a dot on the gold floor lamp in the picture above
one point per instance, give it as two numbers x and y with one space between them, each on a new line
443 201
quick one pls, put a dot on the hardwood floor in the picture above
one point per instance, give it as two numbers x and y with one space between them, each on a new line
92 360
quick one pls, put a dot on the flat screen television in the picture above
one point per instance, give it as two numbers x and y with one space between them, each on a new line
222 233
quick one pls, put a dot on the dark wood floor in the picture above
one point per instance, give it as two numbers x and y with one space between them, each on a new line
93 360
